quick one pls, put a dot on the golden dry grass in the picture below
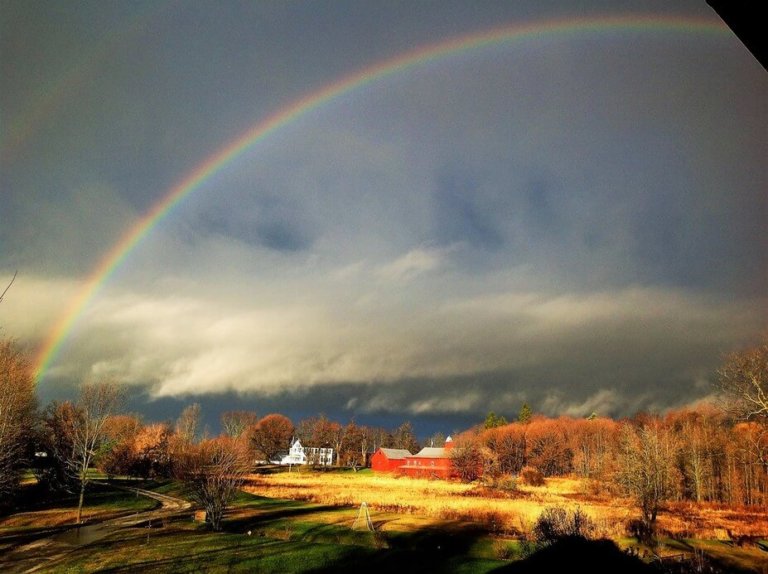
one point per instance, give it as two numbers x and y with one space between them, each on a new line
432 498
502 511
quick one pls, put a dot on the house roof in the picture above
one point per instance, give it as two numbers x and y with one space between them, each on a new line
432 452
395 453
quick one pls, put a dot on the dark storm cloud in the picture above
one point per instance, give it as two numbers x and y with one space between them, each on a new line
575 221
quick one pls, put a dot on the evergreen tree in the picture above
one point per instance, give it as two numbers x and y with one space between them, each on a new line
525 414
493 420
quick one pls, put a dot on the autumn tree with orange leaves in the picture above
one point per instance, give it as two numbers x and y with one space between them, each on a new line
270 436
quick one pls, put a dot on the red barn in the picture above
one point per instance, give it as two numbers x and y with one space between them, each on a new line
430 462
389 459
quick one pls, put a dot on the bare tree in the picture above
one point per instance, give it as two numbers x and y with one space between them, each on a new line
17 408
404 437
213 471
695 430
234 423
338 438
647 467
2 295
86 430
188 423
743 381
437 439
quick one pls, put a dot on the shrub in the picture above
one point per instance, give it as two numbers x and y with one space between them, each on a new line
581 524
514 549
506 482
556 523
503 486
494 521
532 476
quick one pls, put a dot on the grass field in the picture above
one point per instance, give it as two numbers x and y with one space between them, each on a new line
302 522
505 511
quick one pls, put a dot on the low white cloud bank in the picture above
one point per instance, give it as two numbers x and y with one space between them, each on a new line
600 352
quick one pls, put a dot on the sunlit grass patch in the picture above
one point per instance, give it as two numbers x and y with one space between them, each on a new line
510 512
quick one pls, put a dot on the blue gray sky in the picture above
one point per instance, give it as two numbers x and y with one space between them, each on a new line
574 220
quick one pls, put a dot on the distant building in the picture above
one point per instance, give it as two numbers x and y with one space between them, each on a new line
388 459
430 462
299 454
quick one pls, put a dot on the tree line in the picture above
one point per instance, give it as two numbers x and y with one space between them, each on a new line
698 453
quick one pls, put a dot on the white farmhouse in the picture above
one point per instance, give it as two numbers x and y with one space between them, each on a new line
299 454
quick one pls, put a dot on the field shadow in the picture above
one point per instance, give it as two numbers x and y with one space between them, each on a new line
425 550
439 541
264 515
579 555
233 554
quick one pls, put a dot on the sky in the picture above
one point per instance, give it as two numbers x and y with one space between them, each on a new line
574 218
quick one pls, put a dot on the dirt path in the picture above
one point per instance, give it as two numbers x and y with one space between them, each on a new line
47 551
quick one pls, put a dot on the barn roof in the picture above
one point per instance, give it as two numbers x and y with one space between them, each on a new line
395 453
432 452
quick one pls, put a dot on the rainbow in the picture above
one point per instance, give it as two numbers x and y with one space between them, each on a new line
214 163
